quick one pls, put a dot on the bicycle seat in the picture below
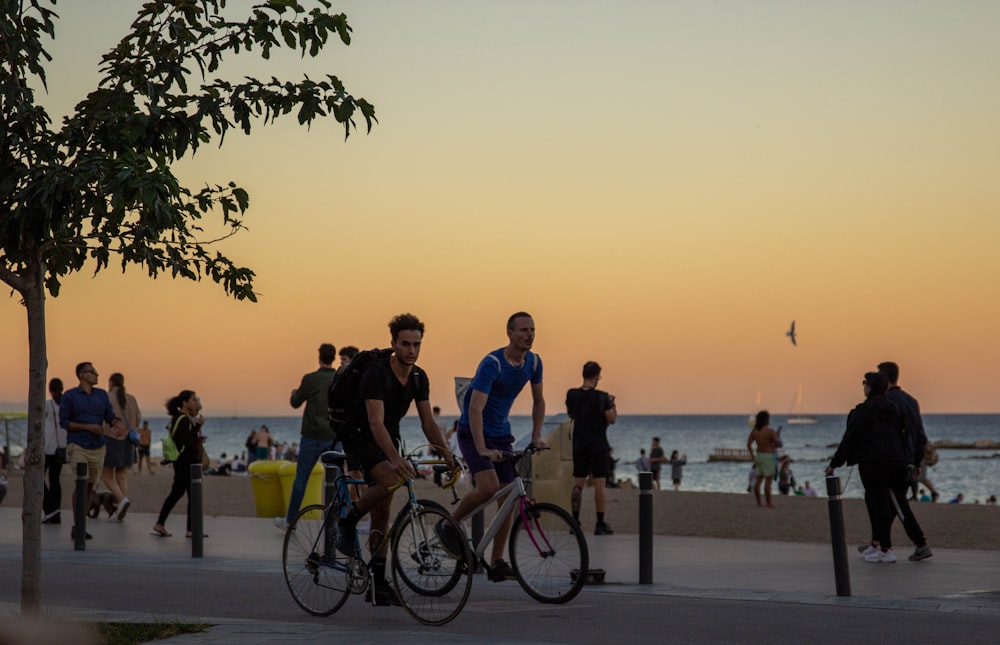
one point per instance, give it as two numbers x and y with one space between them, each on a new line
333 458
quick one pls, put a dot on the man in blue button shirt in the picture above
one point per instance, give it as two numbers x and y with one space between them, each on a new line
83 412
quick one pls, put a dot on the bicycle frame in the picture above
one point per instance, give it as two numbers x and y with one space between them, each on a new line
343 484
516 494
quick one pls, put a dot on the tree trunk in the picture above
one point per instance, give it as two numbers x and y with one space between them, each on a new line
34 463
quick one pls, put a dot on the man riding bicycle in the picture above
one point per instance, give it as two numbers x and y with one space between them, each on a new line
484 430
387 387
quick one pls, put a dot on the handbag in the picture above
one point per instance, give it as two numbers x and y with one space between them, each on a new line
205 461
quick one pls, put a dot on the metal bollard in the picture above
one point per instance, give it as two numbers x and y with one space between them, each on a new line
841 570
645 528
80 508
197 518
478 526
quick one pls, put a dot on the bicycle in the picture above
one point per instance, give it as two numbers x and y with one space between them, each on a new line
431 582
547 549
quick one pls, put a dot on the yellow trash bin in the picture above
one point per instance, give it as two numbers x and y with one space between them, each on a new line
267 488
314 488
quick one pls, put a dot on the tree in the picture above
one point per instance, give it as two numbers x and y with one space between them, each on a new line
100 186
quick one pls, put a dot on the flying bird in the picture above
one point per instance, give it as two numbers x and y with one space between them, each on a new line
791 334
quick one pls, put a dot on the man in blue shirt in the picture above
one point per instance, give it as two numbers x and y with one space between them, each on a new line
484 429
83 412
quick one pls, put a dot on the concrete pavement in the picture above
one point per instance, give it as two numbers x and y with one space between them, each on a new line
127 574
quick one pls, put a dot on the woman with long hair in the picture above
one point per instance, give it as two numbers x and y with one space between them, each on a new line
185 428
120 452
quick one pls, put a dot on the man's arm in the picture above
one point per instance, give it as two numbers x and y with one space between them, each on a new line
299 394
376 420
611 414
537 414
433 433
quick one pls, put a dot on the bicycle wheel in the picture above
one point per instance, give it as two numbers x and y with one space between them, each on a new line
431 582
546 547
315 573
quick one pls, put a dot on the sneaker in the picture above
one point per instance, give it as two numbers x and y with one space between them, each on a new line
72 534
281 523
450 539
384 595
880 556
922 553
603 529
501 571
52 518
346 541
867 549
122 509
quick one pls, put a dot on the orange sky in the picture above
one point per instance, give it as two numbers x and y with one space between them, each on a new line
663 187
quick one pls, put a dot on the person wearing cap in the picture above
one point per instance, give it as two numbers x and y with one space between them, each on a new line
873 441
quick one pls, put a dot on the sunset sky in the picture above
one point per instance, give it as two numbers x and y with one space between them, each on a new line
665 186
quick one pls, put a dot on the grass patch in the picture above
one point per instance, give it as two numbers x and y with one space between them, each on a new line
135 633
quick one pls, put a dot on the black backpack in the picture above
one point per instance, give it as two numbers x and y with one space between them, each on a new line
343 397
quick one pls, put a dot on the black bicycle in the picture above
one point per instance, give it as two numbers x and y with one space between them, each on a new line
431 581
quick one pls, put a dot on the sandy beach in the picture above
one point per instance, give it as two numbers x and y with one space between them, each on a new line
721 515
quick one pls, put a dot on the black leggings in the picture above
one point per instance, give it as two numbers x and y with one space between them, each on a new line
182 485
877 479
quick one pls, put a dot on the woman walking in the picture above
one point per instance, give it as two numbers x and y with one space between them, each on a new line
185 428
120 452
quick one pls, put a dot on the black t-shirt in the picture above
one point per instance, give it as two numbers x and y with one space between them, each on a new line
587 407
379 383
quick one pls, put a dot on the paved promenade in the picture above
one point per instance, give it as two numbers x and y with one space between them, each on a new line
704 590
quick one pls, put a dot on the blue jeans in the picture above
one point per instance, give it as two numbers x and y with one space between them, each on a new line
309 452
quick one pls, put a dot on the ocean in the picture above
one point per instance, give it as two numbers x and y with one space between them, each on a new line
974 473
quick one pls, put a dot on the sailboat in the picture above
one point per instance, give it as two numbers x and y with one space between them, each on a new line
752 419
795 417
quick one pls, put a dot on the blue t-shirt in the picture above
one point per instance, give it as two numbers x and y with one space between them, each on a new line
80 407
501 382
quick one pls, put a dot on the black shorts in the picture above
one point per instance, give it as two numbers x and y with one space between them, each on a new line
590 459
363 452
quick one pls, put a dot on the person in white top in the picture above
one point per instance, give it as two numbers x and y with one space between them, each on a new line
55 454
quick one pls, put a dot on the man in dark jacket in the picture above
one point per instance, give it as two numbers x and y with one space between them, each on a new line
915 441
874 441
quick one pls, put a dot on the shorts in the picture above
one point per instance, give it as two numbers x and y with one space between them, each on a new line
476 463
677 482
764 464
590 459
94 458
363 453
143 451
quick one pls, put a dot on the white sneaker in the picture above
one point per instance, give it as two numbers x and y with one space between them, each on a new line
868 550
122 509
881 557
281 523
